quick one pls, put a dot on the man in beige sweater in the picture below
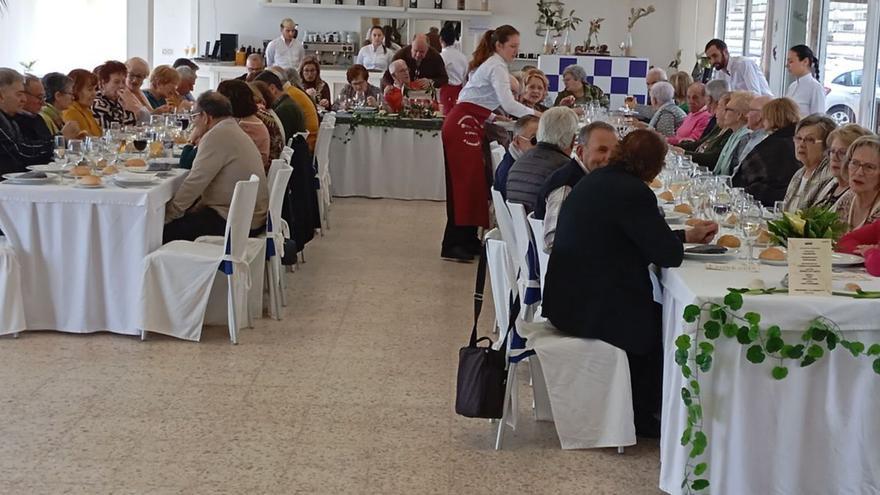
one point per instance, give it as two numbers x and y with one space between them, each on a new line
225 156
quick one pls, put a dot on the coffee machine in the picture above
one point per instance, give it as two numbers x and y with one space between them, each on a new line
332 47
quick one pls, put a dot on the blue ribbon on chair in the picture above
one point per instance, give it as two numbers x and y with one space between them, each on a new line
270 237
226 265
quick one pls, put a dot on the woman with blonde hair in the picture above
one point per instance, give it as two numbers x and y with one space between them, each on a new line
681 81
162 94
838 143
735 119
534 89
810 148
766 172
861 204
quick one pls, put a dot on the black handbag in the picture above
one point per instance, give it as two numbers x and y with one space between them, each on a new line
482 373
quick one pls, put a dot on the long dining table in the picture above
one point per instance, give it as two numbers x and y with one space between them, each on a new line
814 432
81 250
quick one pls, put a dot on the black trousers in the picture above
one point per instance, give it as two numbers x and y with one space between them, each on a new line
646 377
193 225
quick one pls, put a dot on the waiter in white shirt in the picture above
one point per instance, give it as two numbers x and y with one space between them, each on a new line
456 68
805 90
467 183
740 73
285 50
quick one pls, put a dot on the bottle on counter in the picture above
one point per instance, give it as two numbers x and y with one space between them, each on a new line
383 3
338 2
461 5
240 57
438 4
361 2
484 5
413 4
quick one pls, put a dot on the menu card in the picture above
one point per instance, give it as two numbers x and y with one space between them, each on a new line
809 267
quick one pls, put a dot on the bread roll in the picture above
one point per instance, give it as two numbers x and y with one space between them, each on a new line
80 171
731 219
729 241
135 163
772 254
763 237
110 170
667 196
683 208
656 183
90 180
852 287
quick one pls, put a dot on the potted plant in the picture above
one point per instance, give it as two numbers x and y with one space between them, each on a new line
549 18
568 24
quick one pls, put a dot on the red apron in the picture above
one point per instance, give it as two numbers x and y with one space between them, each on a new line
466 185
448 97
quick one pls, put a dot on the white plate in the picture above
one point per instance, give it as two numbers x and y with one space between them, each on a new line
731 253
675 217
50 168
837 260
136 170
88 186
15 179
128 177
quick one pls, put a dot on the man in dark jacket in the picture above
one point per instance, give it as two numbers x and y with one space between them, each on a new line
292 118
426 66
30 123
557 131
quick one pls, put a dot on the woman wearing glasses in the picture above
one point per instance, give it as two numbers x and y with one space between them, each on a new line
810 148
861 205
838 142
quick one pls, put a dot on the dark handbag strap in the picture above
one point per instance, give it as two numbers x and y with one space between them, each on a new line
479 286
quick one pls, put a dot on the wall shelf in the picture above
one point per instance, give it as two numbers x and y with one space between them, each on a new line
368 9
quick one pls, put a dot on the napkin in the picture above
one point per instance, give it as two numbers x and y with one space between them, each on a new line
734 266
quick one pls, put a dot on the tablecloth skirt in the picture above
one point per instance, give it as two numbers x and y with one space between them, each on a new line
12 319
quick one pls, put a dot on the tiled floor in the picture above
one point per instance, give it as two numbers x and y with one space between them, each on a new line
351 393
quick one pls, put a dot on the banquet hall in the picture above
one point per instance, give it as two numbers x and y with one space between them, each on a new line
440 246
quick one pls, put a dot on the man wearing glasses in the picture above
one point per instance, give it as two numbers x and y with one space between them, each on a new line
32 126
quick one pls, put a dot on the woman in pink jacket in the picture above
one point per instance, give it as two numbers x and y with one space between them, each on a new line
866 242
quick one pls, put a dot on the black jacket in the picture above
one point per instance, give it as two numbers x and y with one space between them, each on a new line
766 171
597 285
18 151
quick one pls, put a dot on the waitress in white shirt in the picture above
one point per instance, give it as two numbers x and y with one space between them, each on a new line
375 56
805 90
467 187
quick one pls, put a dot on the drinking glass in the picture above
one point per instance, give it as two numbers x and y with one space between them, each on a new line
75 150
140 142
677 182
60 148
722 203
751 224
778 209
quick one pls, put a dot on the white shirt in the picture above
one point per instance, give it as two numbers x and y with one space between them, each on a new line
489 87
280 53
743 74
375 58
808 93
456 65
554 206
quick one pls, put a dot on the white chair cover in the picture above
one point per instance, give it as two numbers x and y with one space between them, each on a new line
502 278
588 384
322 158
497 152
12 319
178 276
529 286
537 227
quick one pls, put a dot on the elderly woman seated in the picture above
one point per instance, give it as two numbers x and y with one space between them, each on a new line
810 147
766 171
359 89
577 90
534 89
85 86
59 96
736 119
838 143
667 117
861 204
162 94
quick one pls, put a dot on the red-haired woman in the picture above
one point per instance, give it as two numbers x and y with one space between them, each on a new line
467 187
108 106
80 111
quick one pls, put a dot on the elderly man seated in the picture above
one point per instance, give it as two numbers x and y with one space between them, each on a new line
646 111
557 131
17 151
524 131
226 155
29 121
255 64
667 117
755 124
186 84
696 121
595 144
424 64
358 87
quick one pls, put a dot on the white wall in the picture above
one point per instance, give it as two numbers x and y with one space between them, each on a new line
138 35
174 29
655 36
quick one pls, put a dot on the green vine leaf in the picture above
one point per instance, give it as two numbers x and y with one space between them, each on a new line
695 386
734 300
700 484
686 371
683 342
808 360
774 331
706 347
874 350
681 357
700 468
691 313
730 330
704 362
831 340
752 318
856 348
712 329
815 351
686 436
774 344
780 372
755 354
877 366
699 444
742 336
686 396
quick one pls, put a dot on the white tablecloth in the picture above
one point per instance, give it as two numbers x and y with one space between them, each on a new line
81 251
387 162
815 432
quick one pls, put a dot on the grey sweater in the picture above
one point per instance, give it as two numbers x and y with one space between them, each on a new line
530 171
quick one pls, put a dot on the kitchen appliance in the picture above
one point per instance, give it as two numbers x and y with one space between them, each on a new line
331 47
228 46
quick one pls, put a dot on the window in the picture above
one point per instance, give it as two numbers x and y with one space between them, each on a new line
744 28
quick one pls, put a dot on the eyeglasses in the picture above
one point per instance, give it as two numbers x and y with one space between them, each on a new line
38 97
867 168
837 153
806 140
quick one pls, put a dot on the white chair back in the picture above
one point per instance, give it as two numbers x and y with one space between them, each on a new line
537 226
322 147
497 154
241 213
505 227
521 233
286 154
277 187
274 167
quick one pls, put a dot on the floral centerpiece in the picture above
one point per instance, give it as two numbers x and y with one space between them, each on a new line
412 102
811 223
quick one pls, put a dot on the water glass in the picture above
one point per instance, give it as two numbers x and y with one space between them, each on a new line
751 224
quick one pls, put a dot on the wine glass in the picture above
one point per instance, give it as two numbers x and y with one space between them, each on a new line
722 203
140 142
751 224
60 149
677 182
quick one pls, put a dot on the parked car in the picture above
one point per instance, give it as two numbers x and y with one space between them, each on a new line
843 96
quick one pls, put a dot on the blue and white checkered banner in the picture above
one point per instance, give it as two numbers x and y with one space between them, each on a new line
618 77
